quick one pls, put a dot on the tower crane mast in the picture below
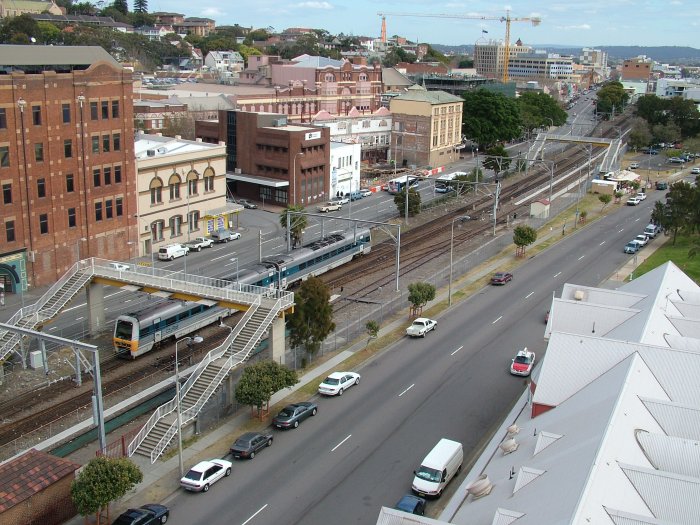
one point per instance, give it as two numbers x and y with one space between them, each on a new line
507 19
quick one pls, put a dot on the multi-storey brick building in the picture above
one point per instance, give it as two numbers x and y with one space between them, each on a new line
638 68
489 57
66 161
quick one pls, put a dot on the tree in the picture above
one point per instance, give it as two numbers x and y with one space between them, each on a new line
260 381
523 236
684 114
102 481
372 328
140 6
652 109
19 30
611 97
640 134
605 199
666 132
181 124
414 202
465 63
497 159
541 110
490 117
122 6
419 294
396 55
297 223
312 320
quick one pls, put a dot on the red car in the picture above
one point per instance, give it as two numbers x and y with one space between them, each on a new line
501 278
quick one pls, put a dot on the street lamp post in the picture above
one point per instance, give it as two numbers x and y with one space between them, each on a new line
452 238
294 177
189 340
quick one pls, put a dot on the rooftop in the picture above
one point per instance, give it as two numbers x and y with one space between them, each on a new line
163 146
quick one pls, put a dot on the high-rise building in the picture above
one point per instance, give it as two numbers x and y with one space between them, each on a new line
489 56
66 161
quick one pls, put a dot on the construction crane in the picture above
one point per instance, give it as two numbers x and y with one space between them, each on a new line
507 19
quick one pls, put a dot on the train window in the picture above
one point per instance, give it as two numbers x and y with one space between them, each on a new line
171 320
302 266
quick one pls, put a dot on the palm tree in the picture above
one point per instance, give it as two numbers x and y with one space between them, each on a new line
297 223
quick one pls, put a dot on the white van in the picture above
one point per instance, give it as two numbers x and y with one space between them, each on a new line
438 468
172 251
651 231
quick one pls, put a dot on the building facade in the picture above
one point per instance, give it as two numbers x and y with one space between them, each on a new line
541 66
345 168
489 57
638 68
427 127
181 191
66 161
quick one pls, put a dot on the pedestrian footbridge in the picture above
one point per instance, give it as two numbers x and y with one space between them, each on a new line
610 159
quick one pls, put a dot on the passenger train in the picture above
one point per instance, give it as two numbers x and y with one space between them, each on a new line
137 333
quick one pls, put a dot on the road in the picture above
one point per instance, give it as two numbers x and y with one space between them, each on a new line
359 452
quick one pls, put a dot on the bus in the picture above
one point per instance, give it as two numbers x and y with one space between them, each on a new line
396 185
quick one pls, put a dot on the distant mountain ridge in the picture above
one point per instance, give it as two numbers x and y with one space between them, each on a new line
666 54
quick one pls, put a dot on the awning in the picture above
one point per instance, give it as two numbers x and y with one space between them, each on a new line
263 181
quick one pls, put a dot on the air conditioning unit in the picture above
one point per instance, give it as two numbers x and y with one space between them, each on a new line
162 150
151 152
579 295
237 171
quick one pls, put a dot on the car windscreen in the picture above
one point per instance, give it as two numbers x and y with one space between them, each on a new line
429 474
194 475
332 381
286 413
243 443
522 359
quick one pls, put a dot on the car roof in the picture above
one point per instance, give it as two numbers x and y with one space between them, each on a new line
336 375
202 466
248 436
420 319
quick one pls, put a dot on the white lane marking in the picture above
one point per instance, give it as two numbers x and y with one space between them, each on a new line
453 353
231 263
581 257
79 318
501 317
602 243
220 257
255 514
557 274
529 295
115 293
620 231
335 447
127 300
74 307
409 388
53 328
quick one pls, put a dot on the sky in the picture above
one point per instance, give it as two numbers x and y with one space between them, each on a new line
572 23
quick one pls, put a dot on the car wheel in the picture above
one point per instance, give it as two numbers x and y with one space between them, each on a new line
296 424
172 258
313 412
357 381
228 472
340 392
269 442
423 334
205 488
164 518
199 248
252 455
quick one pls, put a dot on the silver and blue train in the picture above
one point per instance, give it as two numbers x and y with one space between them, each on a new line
137 333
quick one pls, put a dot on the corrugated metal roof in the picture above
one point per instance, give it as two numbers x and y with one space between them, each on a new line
18 56
506 517
672 454
675 419
544 440
419 94
525 476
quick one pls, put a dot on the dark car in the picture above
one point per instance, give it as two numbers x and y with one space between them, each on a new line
249 443
661 185
292 415
145 515
411 504
501 278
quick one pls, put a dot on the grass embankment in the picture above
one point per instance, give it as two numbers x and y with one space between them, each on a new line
678 253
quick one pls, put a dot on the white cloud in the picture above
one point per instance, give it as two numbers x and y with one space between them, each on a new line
580 26
212 11
315 5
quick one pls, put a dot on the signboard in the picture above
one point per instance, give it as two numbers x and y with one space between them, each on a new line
312 135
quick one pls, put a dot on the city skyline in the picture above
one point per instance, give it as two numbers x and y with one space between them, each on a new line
591 24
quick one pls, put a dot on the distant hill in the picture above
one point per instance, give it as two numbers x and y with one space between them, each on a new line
665 54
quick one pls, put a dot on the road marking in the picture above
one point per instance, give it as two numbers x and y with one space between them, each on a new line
220 257
501 317
230 264
74 307
79 318
127 300
529 295
557 274
453 353
620 231
602 243
255 514
637 220
409 388
581 257
335 447
115 293
53 328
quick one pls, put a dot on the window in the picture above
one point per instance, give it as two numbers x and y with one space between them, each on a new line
10 231
71 217
108 208
107 174
68 148
156 191
209 183
65 109
44 223
174 185
41 188
39 152
117 174
105 109
96 144
93 111
96 177
157 228
193 221
7 193
105 143
98 211
192 186
3 119
115 109
36 115
176 226
117 142
4 156
119 202
70 187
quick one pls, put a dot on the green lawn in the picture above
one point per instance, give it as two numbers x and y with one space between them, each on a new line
677 253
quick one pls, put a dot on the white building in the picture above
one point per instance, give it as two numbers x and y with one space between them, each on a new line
687 89
489 57
224 61
541 66
345 168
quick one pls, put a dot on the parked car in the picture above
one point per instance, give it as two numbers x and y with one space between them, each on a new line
443 189
342 200
633 201
249 444
634 165
291 415
198 243
224 235
355 196
329 207
642 240
336 383
652 230
148 514
522 363
676 160
641 194
695 171
650 151
204 474
411 504
366 192
420 327
661 185
172 251
120 267
501 278
247 204
631 247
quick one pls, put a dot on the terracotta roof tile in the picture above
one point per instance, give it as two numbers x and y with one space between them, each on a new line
30 473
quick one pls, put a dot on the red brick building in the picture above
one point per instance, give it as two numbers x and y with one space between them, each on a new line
638 68
66 161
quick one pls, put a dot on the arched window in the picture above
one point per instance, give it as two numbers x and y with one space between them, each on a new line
157 228
329 77
156 187
363 77
192 178
175 226
174 186
209 179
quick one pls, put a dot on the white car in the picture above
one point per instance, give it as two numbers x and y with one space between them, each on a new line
118 266
633 201
342 200
634 165
206 473
420 327
336 383
642 240
523 362
695 171
641 195
366 192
